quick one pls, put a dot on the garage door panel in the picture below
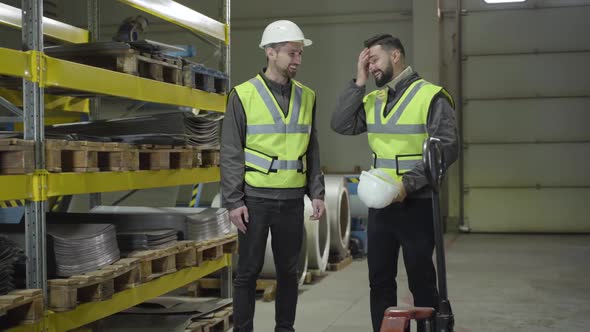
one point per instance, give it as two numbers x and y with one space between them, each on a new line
536 75
527 165
485 32
479 5
528 210
527 120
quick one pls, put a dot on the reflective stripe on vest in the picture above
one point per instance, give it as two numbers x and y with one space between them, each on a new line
395 164
392 127
396 138
279 126
275 142
271 164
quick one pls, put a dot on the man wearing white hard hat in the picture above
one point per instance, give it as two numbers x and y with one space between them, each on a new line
398 117
269 162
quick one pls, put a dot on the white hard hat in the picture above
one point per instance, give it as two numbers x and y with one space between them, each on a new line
377 189
282 31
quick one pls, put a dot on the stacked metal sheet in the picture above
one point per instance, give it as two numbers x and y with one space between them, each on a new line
146 239
173 128
204 130
12 264
79 248
199 223
208 224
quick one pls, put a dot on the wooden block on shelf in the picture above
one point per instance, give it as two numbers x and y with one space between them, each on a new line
181 158
23 306
16 156
53 152
126 273
154 157
155 263
187 254
210 158
80 156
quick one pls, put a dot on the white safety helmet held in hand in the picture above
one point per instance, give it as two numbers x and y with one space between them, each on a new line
282 31
377 189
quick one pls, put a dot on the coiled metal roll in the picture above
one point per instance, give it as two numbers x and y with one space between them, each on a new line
318 238
337 202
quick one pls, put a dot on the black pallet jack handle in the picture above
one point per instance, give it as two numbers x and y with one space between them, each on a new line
435 168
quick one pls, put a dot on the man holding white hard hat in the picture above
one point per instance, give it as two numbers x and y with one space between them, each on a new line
398 116
269 161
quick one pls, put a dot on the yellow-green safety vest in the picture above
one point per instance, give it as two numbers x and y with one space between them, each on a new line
396 139
276 146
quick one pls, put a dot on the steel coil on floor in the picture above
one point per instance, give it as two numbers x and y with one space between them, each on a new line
337 203
318 238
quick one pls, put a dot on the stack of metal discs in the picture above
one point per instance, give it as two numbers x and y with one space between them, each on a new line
208 224
146 239
80 248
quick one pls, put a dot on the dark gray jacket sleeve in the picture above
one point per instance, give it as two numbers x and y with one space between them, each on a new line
315 178
441 124
233 137
349 117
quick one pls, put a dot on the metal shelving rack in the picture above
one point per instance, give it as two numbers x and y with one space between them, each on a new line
39 71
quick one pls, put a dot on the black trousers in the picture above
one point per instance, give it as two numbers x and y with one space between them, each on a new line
284 219
407 225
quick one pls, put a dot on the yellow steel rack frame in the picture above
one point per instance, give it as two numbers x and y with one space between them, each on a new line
89 312
12 16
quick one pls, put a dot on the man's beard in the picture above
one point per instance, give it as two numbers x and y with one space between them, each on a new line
386 77
288 73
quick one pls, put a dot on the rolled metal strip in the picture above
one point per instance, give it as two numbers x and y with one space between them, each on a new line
318 238
337 202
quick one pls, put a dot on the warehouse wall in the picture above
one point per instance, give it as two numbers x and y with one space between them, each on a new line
526 99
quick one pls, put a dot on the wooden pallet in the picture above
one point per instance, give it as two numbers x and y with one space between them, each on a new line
197 76
210 158
118 157
155 263
95 286
339 263
188 254
19 307
72 156
16 156
197 158
157 157
65 294
220 320
215 248
125 273
126 60
53 153
160 67
181 157
86 156
154 157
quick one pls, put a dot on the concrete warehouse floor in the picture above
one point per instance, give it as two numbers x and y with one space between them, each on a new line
496 283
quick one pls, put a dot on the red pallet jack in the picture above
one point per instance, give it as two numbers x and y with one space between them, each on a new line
397 319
